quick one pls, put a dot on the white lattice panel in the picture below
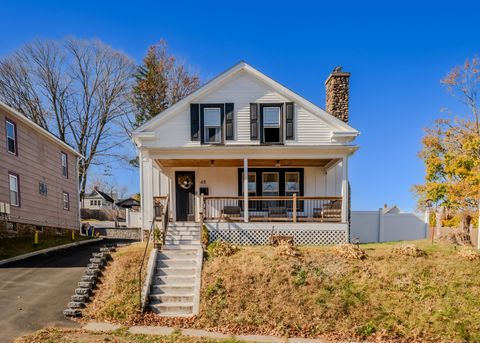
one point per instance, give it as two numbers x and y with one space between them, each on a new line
262 237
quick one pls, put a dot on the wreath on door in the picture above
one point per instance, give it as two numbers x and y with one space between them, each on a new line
185 181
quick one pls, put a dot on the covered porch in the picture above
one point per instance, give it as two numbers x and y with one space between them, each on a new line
279 190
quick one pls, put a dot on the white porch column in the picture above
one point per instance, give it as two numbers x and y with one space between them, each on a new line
345 189
245 190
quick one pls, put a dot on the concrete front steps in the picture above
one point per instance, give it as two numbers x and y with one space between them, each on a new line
175 287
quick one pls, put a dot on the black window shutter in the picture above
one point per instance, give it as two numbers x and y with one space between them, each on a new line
254 117
195 122
289 121
229 134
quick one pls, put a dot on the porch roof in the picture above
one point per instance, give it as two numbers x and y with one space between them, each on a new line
324 162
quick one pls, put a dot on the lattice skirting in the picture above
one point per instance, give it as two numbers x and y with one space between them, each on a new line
262 237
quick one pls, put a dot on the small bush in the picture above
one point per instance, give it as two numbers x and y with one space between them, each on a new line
408 250
350 251
367 330
205 236
220 248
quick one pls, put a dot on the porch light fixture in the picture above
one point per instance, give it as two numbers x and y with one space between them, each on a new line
277 163
212 163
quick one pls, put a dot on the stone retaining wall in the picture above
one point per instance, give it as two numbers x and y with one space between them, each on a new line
119 233
14 229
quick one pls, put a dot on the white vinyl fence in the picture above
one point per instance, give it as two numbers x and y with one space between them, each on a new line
376 226
133 218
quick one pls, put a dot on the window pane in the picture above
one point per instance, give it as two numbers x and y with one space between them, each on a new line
10 130
252 183
13 183
292 182
212 135
271 116
211 117
270 182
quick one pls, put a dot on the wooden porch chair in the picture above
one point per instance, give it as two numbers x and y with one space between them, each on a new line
332 211
277 212
231 213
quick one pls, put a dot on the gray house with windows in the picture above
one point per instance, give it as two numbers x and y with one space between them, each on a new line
38 178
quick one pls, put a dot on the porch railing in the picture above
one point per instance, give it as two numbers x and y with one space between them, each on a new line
275 208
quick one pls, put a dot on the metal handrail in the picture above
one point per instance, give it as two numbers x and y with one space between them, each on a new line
164 211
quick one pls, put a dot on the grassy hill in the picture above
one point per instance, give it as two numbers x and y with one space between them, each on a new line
387 296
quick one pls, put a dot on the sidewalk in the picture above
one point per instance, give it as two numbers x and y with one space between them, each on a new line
166 331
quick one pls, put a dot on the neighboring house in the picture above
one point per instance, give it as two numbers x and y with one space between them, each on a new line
98 200
38 177
245 131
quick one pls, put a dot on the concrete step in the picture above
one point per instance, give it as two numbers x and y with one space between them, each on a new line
181 241
181 236
172 309
193 233
172 298
184 224
171 289
180 271
174 254
165 263
174 280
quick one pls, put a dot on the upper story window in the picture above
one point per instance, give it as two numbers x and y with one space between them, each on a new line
14 189
212 125
64 159
271 125
11 129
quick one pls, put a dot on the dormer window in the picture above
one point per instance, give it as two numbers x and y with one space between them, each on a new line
212 125
271 125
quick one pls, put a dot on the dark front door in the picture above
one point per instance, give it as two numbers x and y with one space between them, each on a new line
185 195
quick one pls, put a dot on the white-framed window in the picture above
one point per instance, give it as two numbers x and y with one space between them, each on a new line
212 125
252 184
66 201
271 124
270 184
292 183
11 129
14 189
64 159
42 188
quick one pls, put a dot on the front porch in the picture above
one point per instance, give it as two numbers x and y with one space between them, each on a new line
299 197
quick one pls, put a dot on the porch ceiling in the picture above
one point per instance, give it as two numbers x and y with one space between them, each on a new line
169 163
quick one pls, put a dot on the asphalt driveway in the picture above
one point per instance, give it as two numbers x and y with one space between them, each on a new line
34 292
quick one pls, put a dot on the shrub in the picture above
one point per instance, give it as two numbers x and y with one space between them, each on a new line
220 248
205 236
408 250
350 251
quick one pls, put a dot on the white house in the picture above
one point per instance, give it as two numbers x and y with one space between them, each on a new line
98 200
243 130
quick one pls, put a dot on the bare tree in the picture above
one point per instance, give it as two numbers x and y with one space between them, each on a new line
77 89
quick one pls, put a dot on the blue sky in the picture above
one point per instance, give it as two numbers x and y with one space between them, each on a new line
397 54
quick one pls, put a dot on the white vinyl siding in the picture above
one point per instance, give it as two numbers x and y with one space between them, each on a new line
242 90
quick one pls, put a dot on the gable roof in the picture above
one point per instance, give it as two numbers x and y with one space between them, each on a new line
22 118
342 127
102 194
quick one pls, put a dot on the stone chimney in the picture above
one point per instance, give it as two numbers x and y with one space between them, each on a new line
337 89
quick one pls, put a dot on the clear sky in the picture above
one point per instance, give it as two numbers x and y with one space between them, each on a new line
397 54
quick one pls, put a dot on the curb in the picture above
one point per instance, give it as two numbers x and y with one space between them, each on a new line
47 250
166 331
